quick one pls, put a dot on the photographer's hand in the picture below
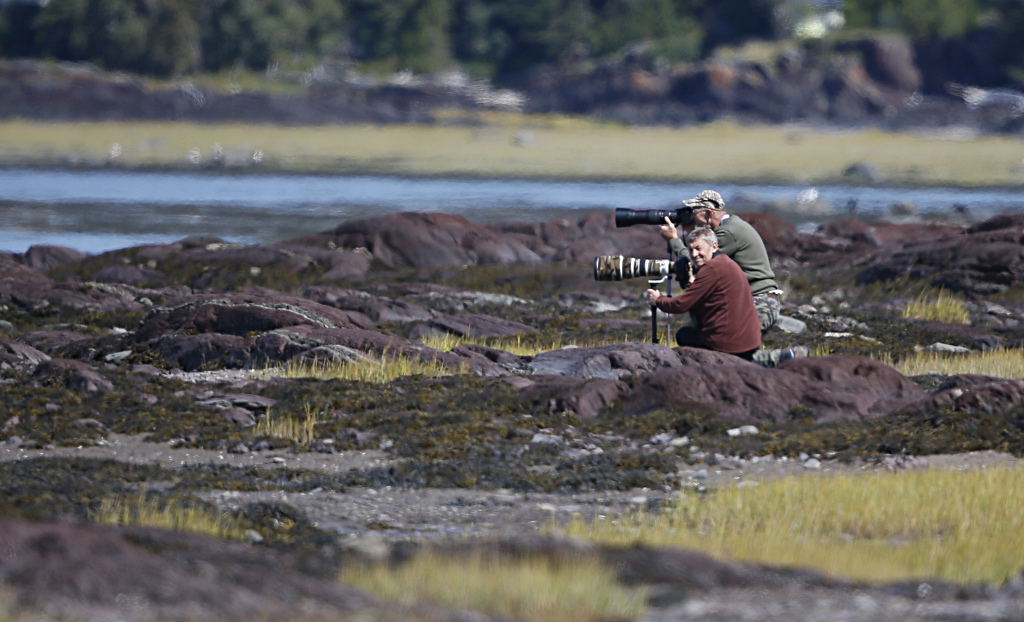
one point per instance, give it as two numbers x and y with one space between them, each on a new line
668 230
652 296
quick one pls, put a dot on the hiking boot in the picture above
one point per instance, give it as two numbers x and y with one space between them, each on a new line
795 352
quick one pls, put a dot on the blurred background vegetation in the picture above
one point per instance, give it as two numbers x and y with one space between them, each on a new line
494 40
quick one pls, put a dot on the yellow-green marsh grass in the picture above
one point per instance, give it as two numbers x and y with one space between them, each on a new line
173 515
557 148
961 526
515 345
941 307
536 589
386 369
292 428
997 363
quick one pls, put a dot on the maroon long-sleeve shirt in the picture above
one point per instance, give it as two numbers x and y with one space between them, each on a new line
720 298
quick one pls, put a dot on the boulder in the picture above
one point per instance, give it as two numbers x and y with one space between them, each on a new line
611 362
347 265
88 380
471 325
23 287
14 273
130 275
852 387
17 355
974 394
981 260
584 397
507 362
52 367
424 240
203 350
78 376
96 572
241 314
307 342
44 258
380 309
834 387
52 340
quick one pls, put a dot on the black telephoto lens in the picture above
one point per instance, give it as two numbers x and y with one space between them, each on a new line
626 217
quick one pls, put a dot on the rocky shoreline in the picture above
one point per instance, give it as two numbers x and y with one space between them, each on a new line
147 369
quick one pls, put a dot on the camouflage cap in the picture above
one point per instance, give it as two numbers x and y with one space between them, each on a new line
708 199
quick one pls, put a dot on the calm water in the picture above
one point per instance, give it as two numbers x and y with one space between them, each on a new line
104 210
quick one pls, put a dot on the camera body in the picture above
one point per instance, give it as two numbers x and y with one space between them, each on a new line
627 217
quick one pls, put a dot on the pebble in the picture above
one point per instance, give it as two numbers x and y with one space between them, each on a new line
745 430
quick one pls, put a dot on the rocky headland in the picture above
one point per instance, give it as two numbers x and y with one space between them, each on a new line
870 79
147 370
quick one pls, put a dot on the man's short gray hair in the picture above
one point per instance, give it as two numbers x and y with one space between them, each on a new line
703 233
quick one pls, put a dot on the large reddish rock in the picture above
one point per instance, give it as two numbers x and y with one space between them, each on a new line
584 397
471 325
975 394
24 287
202 351
834 387
92 573
424 240
45 257
380 309
981 260
243 313
612 362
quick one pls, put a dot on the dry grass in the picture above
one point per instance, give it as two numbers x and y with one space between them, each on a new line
939 307
174 515
540 590
556 147
961 526
301 431
997 363
386 369
516 345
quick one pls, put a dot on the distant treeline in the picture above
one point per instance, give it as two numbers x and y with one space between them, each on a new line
493 39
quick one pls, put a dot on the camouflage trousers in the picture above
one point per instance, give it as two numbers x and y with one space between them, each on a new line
768 308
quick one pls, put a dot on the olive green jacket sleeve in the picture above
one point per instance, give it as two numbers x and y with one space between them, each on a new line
741 242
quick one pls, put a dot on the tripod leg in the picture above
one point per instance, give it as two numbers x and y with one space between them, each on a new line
654 324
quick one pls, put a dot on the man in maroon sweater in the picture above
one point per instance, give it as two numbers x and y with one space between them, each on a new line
719 298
